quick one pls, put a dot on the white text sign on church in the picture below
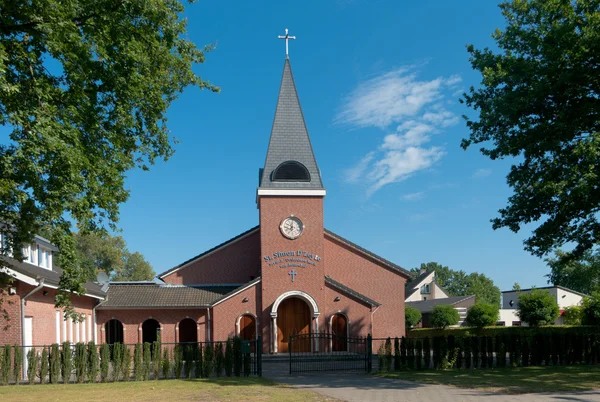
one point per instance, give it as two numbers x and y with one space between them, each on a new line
298 258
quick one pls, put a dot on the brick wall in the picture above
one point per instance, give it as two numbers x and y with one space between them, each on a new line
226 314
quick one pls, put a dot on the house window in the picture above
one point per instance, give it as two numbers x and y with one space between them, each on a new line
425 290
516 323
44 258
500 324
30 254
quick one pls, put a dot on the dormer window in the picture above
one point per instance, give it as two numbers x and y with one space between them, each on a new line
44 258
290 171
425 290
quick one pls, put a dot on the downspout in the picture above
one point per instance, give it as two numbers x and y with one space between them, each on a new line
95 329
373 312
23 300
208 324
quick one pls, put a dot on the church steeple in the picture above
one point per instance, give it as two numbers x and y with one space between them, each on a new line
290 162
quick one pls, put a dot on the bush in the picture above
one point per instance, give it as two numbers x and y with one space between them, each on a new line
228 358
397 360
66 362
80 362
426 352
198 368
18 368
412 317
44 366
55 359
5 364
388 355
247 365
156 346
590 309
104 361
219 360
147 362
189 358
443 316
419 345
537 307
178 361
138 369
483 315
166 364
237 356
573 315
126 367
117 359
207 362
32 365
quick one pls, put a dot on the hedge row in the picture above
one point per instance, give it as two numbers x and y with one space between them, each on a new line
503 331
474 352
90 363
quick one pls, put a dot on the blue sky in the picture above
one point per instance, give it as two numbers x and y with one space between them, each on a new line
379 83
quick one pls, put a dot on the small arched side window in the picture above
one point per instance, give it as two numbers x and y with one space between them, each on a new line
290 171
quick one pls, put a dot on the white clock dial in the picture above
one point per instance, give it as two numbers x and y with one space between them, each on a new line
291 227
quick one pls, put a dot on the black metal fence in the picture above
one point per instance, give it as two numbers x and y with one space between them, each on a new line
329 352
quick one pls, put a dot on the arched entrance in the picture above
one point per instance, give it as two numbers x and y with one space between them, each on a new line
150 330
188 331
247 327
113 332
293 318
339 332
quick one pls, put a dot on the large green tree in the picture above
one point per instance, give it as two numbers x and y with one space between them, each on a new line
582 274
539 103
459 283
84 90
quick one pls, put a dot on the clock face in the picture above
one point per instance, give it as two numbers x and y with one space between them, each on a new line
291 227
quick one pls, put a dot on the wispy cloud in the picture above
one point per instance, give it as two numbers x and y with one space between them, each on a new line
479 173
413 196
415 110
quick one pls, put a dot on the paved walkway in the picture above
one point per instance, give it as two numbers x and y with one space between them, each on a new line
363 387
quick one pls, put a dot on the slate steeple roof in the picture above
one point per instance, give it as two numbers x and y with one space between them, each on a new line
289 141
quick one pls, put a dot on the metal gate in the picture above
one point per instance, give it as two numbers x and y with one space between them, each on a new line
329 352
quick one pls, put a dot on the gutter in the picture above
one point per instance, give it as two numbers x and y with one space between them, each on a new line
23 300
373 312
208 326
94 335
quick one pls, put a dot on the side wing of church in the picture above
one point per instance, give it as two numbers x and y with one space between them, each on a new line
288 275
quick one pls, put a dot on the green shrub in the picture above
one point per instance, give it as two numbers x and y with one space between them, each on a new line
189 359
228 358
207 362
219 359
397 357
403 352
147 362
5 364
412 317
247 364
419 346
537 307
80 362
388 355
590 309
426 353
55 363
178 358
18 367
32 365
410 353
198 368
482 315
381 358
573 315
467 351
66 362
166 364
104 362
459 345
237 356
126 366
117 359
138 368
156 346
44 362
444 315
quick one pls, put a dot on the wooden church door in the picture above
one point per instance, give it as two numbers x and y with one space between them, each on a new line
293 318
339 329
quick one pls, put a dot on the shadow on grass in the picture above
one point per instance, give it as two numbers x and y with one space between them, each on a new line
236 381
511 380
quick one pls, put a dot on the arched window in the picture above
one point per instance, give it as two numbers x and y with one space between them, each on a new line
150 330
247 327
290 171
339 332
113 332
187 331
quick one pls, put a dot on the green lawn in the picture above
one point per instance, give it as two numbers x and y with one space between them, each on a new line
510 380
222 389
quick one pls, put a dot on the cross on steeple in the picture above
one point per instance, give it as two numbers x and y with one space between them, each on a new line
286 37
293 273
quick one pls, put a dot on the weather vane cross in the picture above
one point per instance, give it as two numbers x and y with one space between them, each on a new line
287 37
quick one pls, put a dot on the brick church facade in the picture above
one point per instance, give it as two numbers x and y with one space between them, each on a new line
288 275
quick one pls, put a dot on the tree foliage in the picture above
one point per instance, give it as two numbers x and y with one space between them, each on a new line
590 309
483 315
459 283
572 315
537 307
412 317
581 275
84 90
443 316
538 103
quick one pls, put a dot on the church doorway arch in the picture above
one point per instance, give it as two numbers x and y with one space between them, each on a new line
247 327
293 318
339 332
113 332
188 331
150 330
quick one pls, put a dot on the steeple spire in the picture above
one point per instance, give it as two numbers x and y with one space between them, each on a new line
290 162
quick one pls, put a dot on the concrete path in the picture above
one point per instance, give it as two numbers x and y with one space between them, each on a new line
363 387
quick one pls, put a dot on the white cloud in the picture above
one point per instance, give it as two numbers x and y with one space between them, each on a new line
413 196
479 173
415 107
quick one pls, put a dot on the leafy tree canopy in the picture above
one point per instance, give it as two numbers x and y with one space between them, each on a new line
537 307
483 314
84 90
538 103
573 315
590 309
444 316
459 283
582 274
412 317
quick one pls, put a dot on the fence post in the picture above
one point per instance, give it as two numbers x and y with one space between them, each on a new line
369 353
259 355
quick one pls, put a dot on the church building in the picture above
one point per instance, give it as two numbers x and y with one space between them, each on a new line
286 276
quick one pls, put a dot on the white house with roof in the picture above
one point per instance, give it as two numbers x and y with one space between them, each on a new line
510 302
